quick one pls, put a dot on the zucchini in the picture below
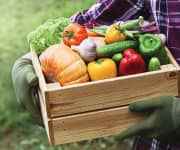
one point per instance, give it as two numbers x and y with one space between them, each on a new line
110 49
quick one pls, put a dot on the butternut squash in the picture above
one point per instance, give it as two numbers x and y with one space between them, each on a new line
60 63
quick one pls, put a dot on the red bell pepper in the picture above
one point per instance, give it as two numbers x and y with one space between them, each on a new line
129 52
132 63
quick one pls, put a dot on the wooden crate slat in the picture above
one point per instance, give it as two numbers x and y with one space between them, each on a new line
93 125
41 78
38 71
172 60
109 94
47 121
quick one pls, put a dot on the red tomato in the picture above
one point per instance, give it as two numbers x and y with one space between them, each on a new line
74 34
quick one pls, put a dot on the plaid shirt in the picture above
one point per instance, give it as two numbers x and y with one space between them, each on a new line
151 144
166 14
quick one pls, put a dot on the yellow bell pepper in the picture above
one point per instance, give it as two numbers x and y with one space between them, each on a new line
102 69
114 34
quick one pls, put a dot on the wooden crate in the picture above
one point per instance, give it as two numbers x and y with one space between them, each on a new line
99 108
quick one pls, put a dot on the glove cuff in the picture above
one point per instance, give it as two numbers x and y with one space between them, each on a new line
18 65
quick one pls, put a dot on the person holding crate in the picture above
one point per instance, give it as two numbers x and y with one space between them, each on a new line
161 129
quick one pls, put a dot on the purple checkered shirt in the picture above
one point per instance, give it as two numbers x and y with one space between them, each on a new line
166 14
152 144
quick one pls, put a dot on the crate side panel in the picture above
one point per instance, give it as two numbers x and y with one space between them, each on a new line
46 121
171 58
41 79
38 71
93 125
111 94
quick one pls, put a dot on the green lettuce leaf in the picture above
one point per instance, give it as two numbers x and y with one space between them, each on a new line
47 34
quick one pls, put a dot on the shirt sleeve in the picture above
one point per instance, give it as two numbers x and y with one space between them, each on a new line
105 12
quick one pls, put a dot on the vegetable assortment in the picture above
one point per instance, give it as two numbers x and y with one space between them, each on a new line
102 52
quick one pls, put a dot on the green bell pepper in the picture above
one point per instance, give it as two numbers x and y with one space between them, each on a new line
149 45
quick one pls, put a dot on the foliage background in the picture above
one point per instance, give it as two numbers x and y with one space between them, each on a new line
18 18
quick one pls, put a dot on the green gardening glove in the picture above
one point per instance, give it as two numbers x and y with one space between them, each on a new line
25 84
162 122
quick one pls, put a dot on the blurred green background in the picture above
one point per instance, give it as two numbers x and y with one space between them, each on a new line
17 129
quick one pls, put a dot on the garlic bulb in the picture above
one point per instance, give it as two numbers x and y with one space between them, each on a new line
86 49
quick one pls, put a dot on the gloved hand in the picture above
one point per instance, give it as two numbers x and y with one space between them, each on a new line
162 122
25 84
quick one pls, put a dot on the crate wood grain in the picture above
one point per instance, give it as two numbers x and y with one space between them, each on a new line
99 108
88 125
111 93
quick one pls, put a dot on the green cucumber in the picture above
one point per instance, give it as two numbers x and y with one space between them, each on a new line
110 49
162 56
154 64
